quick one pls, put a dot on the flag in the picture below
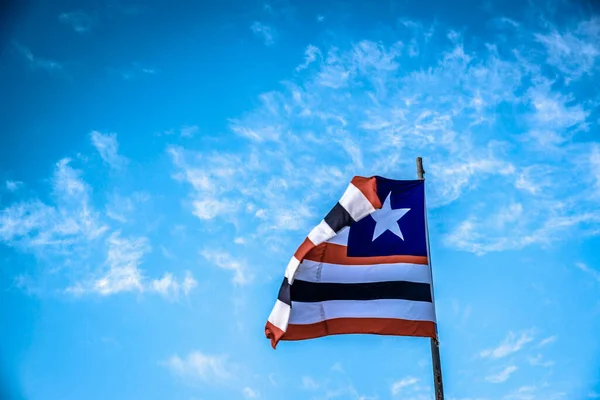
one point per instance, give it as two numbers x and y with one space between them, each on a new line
364 269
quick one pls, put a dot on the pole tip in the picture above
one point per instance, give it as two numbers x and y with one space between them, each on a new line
420 170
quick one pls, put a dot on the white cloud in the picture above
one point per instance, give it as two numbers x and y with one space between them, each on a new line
108 147
535 179
123 261
362 110
594 163
38 62
122 273
13 186
196 366
454 178
574 52
225 261
167 286
538 360
547 341
211 208
134 70
309 383
119 207
250 393
555 116
189 131
594 274
541 221
189 283
33 224
70 231
78 20
501 376
511 344
523 393
310 55
266 32
400 385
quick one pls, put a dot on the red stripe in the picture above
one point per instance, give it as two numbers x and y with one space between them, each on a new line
273 333
304 248
376 326
332 253
368 187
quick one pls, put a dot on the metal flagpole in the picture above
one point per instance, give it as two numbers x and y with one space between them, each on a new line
435 344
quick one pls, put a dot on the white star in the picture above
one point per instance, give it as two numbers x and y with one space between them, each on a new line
387 219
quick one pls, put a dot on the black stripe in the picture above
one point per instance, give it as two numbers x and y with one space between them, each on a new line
312 292
284 292
338 218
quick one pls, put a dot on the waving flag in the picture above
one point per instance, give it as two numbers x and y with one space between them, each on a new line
363 269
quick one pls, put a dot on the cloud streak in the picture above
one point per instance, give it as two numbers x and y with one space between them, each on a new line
78 20
511 344
265 32
367 109
70 229
501 376
225 261
200 367
36 62
108 148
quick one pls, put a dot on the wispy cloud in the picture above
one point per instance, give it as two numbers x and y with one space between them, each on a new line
120 208
211 208
594 274
310 55
131 10
547 341
594 163
362 110
309 383
250 393
108 147
34 224
38 62
197 366
170 288
265 32
539 361
134 71
78 20
523 393
225 261
398 386
501 376
68 227
123 261
189 131
13 186
511 344
574 52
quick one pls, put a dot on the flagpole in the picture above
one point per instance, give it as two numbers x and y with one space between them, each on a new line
435 344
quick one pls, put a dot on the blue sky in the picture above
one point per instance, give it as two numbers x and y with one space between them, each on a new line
161 162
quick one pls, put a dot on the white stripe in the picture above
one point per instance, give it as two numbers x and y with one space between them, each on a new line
291 269
355 202
342 237
335 273
321 233
280 315
310 313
